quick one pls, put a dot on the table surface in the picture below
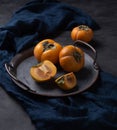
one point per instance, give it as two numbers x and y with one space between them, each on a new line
12 115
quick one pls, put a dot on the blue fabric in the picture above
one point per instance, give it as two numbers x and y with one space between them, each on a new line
92 109
38 20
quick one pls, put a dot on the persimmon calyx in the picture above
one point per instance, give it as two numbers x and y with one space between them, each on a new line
47 45
84 27
77 56
60 81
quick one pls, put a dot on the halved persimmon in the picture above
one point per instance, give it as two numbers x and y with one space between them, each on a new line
43 71
47 49
82 32
67 81
71 58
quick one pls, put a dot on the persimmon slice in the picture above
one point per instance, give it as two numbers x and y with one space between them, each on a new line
43 71
66 81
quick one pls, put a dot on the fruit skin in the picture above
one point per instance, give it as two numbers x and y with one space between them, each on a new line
67 81
47 49
71 58
83 33
43 71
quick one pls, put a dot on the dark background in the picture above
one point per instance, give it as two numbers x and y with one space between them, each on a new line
12 115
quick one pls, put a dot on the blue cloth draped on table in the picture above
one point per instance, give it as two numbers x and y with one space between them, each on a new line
92 109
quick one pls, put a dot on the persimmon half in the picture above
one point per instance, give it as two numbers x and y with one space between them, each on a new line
71 58
82 32
47 49
67 81
43 71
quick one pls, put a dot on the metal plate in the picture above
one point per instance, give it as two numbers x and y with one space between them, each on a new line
22 63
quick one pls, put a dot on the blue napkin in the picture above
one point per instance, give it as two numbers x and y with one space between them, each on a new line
95 108
40 19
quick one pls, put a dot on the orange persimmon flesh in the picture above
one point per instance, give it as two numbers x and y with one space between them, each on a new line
43 71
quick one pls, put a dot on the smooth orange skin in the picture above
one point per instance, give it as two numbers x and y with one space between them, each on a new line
67 60
50 54
82 34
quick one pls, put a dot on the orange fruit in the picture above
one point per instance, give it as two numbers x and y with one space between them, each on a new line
83 33
43 71
47 49
67 81
71 58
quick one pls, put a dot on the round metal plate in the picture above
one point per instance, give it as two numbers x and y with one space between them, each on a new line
22 63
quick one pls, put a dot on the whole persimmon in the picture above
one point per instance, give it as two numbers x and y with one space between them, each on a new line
83 33
71 58
47 49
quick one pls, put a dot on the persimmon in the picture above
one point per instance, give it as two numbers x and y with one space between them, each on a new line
71 58
82 32
47 49
43 71
67 81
